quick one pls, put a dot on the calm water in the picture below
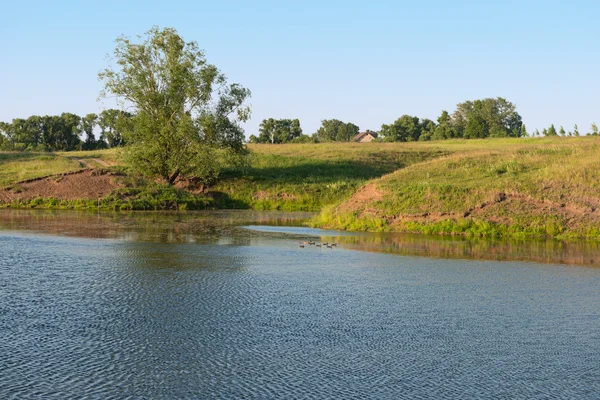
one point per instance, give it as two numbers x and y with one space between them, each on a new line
218 305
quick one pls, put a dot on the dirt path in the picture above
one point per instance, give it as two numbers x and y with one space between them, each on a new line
100 162
85 162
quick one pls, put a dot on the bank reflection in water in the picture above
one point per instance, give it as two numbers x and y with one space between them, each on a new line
282 229
160 227
544 251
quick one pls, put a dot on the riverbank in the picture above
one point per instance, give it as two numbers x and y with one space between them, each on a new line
496 187
544 188
281 177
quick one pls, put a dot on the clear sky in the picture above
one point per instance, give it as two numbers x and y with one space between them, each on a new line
366 62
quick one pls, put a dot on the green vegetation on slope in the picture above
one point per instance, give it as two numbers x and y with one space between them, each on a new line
17 167
494 187
284 177
517 188
307 177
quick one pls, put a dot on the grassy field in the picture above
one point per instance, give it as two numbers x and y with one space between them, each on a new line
495 187
17 167
307 177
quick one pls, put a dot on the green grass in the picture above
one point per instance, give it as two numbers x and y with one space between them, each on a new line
510 188
17 167
150 198
307 177
494 187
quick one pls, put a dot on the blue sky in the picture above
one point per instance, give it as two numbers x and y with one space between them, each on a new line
363 62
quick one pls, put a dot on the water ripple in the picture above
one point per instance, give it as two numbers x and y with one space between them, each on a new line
111 319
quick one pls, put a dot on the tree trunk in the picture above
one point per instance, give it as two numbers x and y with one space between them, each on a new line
173 177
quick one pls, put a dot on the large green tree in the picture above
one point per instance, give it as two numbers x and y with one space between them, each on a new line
185 115
336 130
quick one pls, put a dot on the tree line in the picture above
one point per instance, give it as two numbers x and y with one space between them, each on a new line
492 117
479 119
552 131
64 132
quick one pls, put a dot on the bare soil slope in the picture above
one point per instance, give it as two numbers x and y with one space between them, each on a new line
83 184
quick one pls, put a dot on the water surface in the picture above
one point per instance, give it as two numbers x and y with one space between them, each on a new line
226 305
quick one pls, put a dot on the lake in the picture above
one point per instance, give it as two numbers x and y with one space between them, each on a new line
227 305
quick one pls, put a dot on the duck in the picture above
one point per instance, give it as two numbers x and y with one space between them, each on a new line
301 246
334 244
311 243
318 245
330 246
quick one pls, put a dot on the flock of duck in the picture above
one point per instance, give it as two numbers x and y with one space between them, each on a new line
310 243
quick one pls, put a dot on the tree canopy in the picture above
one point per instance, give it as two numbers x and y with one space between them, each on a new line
184 113
112 123
336 131
405 129
60 132
276 131
491 117
471 120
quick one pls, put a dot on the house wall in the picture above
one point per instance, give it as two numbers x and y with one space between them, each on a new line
366 139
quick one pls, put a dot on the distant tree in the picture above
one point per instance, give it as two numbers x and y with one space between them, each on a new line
3 139
277 131
61 132
537 132
491 117
551 131
47 133
303 139
562 131
26 134
477 127
524 131
545 132
185 114
405 129
428 128
594 129
444 129
336 130
88 123
575 130
112 124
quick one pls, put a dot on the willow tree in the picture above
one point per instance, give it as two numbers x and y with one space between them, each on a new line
186 117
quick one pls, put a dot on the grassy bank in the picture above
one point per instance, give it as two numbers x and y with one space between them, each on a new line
307 177
278 177
17 167
495 187
149 198
511 188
